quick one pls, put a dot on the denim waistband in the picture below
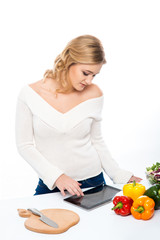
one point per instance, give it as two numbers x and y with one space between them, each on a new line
90 182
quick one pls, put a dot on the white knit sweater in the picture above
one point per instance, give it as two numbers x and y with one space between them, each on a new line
54 143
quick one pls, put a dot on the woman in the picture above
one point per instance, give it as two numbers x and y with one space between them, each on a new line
58 123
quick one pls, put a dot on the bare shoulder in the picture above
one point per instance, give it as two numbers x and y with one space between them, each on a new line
35 85
93 91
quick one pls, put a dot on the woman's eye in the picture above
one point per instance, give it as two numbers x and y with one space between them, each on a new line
85 74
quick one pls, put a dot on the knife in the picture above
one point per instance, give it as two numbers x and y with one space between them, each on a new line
43 218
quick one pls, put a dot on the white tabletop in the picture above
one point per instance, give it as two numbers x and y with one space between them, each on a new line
100 223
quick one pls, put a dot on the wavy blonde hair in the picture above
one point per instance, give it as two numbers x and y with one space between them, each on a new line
85 49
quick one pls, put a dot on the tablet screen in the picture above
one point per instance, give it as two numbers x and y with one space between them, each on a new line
94 197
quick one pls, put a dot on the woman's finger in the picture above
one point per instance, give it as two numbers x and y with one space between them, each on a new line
62 192
70 191
77 187
79 192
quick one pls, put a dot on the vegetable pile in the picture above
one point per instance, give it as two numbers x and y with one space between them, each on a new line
138 201
153 173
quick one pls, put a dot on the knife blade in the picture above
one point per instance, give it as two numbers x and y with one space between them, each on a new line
43 218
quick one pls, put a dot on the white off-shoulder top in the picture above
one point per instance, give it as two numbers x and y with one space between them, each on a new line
54 143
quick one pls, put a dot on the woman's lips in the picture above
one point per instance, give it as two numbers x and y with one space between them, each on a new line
83 85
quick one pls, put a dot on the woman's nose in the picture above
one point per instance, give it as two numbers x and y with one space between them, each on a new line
89 80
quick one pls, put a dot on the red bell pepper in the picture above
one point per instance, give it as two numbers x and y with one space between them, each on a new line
122 205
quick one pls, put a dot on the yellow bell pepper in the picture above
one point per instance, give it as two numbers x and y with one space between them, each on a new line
133 190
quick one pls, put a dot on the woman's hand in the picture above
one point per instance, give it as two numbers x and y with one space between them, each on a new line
137 179
65 182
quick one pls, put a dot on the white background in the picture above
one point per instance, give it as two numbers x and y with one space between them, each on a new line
34 32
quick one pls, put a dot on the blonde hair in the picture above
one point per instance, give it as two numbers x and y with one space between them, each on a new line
85 49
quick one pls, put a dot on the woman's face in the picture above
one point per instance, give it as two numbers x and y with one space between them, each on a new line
82 75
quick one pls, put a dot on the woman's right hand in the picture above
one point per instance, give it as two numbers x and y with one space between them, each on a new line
65 182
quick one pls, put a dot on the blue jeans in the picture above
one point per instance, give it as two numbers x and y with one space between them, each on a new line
90 182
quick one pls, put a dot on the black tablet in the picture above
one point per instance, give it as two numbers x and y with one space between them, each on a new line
94 197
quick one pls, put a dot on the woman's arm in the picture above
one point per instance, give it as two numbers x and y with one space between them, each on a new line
109 165
27 149
51 175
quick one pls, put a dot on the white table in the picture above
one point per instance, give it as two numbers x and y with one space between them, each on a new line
100 223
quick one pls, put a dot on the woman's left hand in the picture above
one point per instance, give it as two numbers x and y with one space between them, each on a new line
134 178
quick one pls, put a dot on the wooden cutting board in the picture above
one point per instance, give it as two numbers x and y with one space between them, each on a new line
63 217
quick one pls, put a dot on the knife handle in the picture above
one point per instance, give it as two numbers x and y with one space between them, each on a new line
35 211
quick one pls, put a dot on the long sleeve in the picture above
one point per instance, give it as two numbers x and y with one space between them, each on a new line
109 165
27 149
